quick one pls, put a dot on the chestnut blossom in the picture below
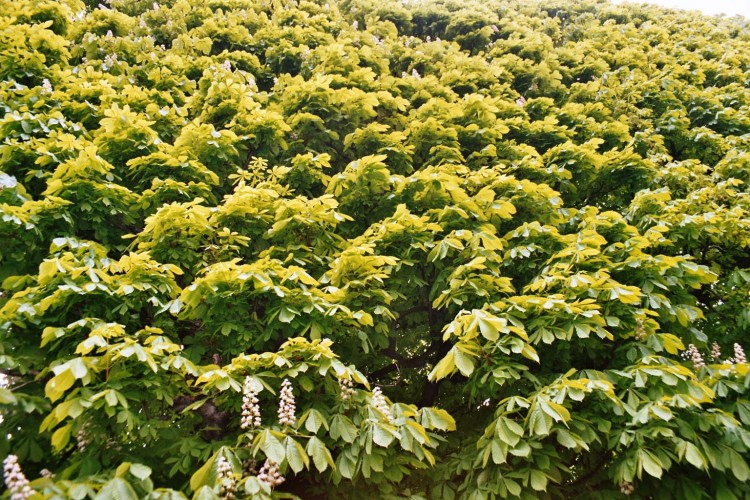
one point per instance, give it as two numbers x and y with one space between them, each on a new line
347 388
739 354
15 480
270 474
227 487
380 404
695 356
250 407
287 406
715 352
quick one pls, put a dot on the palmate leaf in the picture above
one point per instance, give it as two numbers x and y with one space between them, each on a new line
487 248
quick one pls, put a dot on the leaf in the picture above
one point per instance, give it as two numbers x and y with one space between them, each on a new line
464 363
140 471
7 397
650 463
61 437
57 385
272 447
435 418
116 489
204 476
538 480
343 428
694 456
319 453
295 455
383 434
444 368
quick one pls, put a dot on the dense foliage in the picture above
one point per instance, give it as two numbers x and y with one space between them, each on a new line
373 249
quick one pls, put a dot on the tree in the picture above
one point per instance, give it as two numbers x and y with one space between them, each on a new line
373 249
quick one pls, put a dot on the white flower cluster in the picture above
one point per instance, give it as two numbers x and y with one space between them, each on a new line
82 440
415 73
739 354
227 65
270 474
347 388
287 406
695 356
380 404
46 87
485 403
15 480
227 487
715 352
110 60
79 16
521 101
250 408
46 473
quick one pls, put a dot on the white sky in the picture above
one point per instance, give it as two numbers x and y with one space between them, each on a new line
730 7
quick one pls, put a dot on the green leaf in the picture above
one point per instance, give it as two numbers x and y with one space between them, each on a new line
140 471
58 384
319 453
384 434
444 368
204 476
61 437
295 455
464 363
272 447
116 489
343 428
538 480
694 456
650 463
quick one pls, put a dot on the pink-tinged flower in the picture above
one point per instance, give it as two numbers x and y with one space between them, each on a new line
227 486
250 407
695 356
715 352
287 406
270 474
15 480
739 354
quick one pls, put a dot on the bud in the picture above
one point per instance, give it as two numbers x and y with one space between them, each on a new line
15 480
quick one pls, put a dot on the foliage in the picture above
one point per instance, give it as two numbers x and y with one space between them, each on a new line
439 249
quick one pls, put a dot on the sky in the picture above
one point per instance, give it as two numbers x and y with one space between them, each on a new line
730 7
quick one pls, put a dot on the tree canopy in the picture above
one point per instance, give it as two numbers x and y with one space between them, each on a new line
373 249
